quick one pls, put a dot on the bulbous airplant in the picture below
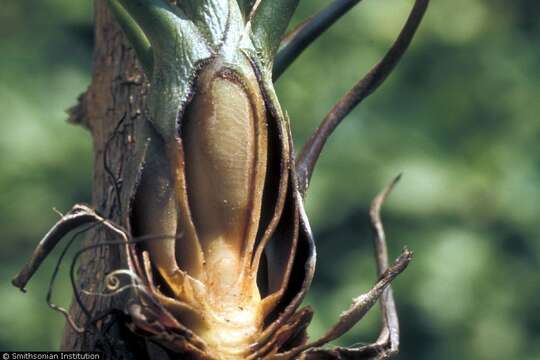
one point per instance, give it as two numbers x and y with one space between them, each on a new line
218 246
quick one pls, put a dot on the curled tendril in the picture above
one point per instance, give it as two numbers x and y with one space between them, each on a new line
113 284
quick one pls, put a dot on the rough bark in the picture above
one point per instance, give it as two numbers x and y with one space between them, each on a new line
112 104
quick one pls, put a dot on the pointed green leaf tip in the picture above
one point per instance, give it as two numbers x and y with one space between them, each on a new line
245 6
135 36
163 23
268 24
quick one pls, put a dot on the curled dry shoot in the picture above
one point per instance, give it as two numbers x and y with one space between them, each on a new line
208 215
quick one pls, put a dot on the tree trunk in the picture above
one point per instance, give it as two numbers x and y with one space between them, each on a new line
114 101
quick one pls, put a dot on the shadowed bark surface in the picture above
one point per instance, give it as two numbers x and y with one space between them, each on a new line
112 104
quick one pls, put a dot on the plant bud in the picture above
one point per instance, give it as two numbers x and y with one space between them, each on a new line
226 200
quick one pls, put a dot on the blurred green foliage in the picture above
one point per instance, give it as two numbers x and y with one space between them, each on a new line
459 117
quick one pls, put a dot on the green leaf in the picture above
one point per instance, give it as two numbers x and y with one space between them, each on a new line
135 35
162 23
269 23
245 7
210 16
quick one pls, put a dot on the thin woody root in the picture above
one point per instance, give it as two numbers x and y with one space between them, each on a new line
388 341
114 180
312 149
78 216
112 282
